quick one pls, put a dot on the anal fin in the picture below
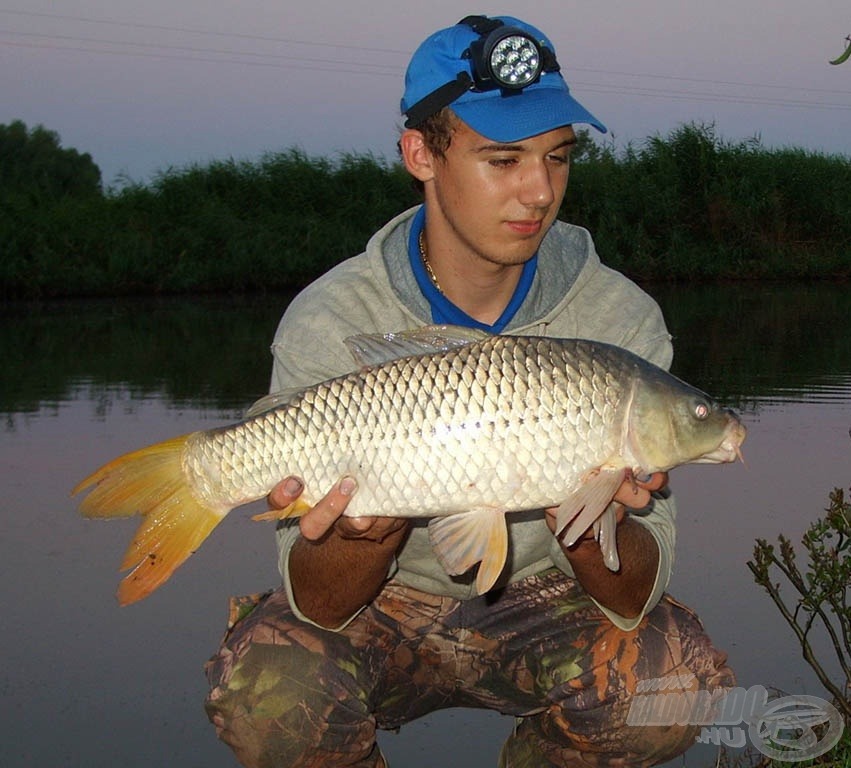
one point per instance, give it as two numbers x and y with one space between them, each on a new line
298 508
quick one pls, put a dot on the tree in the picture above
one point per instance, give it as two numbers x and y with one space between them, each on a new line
33 162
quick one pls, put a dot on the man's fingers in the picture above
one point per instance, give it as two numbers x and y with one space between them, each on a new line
654 482
285 493
359 525
318 521
632 496
372 528
635 492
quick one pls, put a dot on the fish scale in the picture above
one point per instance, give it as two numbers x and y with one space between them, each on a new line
420 422
445 423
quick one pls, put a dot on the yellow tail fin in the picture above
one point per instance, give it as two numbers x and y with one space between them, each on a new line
150 482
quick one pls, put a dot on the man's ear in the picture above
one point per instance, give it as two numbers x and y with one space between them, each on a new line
416 156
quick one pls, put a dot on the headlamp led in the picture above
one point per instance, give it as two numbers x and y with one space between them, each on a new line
503 57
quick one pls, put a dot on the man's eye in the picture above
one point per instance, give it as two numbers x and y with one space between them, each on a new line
502 162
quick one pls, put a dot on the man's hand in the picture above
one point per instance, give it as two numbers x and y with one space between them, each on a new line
635 493
340 563
625 591
328 513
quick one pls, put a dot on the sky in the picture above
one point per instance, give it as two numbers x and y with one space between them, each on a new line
146 87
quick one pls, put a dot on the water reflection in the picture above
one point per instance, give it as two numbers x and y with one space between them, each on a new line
740 343
82 382
207 352
747 343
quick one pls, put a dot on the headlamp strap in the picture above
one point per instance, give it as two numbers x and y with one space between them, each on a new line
481 25
438 99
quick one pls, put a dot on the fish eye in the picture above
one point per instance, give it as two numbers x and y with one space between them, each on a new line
701 411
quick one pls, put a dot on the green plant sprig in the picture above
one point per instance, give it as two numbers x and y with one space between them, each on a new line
822 589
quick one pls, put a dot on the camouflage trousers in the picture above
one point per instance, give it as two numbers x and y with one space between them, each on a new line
286 694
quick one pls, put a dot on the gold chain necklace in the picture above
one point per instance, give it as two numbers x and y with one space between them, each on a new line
427 263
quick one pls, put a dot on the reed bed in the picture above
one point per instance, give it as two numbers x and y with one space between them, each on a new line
686 206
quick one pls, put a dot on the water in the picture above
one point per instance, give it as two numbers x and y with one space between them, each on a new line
87 684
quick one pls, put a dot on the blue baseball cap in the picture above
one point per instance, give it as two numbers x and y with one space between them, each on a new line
446 70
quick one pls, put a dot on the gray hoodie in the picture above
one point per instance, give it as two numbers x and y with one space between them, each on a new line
573 295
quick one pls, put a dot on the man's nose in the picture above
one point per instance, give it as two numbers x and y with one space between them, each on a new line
536 187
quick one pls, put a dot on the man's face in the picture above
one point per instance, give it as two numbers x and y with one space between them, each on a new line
497 201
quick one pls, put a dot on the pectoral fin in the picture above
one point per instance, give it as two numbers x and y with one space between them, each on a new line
585 505
605 531
479 536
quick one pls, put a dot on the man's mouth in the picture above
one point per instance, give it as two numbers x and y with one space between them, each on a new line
526 226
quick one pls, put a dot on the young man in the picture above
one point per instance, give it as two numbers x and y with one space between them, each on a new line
367 630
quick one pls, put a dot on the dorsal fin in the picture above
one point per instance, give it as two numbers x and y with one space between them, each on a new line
272 401
377 348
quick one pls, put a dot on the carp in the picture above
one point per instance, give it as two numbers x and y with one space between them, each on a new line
441 422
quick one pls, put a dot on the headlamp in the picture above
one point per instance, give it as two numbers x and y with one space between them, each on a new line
506 58
503 57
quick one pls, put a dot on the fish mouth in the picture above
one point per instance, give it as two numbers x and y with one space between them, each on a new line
730 447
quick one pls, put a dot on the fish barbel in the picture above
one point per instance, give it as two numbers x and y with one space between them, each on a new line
441 422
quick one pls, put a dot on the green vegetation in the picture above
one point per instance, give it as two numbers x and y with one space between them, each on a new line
694 206
683 207
820 599
821 590
35 169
